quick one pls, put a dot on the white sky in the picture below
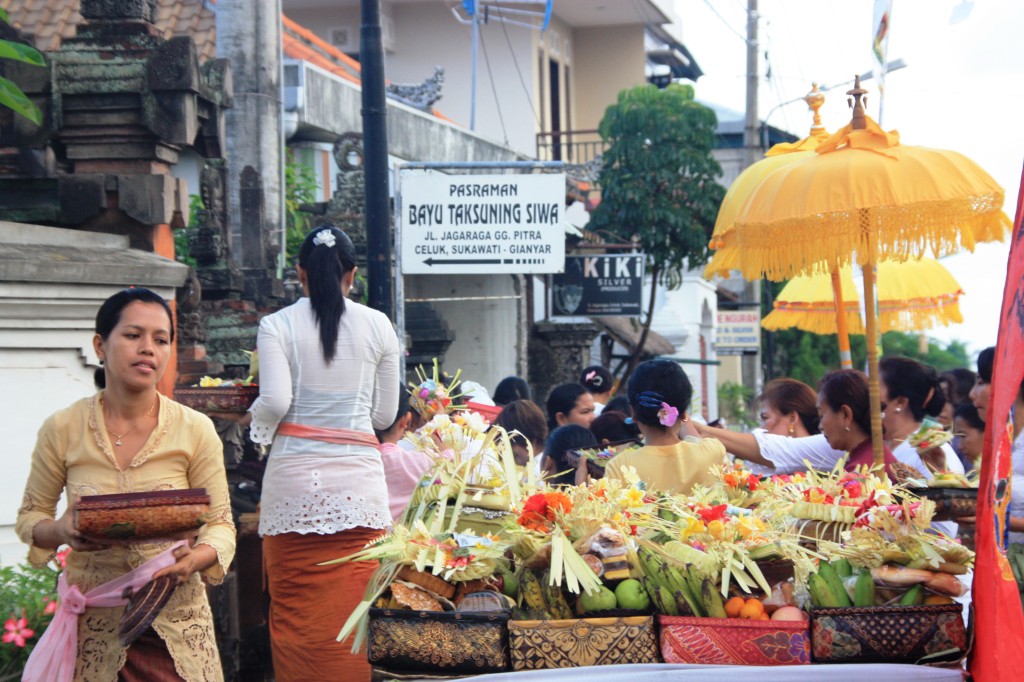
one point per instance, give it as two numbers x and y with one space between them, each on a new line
962 89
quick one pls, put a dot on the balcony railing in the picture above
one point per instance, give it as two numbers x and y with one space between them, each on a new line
575 147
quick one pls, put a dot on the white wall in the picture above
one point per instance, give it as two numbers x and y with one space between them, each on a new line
46 381
486 331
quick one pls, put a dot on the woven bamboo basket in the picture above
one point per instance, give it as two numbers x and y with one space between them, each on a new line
888 634
133 517
206 399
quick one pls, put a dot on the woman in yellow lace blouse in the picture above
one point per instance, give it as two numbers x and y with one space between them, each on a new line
128 438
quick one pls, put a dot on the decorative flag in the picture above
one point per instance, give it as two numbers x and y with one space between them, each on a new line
880 40
998 619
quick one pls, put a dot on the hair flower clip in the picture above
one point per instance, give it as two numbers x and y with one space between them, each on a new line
325 237
667 415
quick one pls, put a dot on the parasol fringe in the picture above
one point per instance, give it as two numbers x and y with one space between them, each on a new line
816 322
908 316
786 248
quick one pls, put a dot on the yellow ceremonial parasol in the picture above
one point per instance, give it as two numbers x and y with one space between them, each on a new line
912 296
723 238
864 196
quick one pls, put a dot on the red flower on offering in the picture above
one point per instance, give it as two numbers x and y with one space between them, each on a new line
862 511
534 515
715 513
62 556
557 502
753 481
541 509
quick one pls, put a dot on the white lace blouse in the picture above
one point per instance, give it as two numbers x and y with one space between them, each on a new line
311 486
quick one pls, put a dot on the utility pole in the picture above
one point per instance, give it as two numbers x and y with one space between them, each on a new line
375 162
751 364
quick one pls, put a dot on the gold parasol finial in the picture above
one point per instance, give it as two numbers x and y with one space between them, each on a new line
815 99
857 101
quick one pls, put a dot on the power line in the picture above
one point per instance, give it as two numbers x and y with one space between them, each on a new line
726 23
515 62
494 91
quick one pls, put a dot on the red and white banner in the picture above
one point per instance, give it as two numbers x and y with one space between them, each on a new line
999 621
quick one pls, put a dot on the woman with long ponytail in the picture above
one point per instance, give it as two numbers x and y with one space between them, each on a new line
329 376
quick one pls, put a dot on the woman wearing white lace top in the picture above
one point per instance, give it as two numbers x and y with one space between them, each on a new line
329 375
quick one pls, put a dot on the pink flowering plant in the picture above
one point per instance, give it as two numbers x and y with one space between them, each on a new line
28 600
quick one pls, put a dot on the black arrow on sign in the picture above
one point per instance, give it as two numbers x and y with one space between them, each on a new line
471 261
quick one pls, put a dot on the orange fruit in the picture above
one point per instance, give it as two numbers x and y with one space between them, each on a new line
938 599
733 606
752 609
763 616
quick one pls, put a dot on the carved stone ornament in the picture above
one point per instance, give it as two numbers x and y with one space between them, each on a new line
346 207
211 188
419 95
116 10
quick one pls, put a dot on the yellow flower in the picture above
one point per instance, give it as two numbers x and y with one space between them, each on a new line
693 527
631 497
210 381
716 528
750 527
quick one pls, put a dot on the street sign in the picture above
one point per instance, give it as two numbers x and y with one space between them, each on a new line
481 224
738 332
599 286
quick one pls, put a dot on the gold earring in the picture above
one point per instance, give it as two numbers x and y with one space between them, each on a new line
792 429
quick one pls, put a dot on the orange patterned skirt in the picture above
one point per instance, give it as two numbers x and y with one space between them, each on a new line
309 604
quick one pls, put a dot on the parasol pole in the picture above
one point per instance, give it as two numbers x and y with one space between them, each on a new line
871 330
845 358
858 122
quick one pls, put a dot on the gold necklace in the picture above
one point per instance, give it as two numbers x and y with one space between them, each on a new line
118 439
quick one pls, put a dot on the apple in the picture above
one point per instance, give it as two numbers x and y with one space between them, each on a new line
790 613
630 594
602 600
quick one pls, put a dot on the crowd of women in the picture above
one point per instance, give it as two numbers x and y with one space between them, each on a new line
333 412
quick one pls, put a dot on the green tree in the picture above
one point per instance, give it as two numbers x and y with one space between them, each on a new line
658 183
300 187
11 95
734 403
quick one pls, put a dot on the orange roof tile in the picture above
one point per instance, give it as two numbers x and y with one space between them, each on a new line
319 43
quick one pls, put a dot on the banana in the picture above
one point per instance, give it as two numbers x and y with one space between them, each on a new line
835 584
693 605
671 577
558 607
843 567
649 562
913 596
530 590
821 593
668 602
694 580
654 589
864 593
712 600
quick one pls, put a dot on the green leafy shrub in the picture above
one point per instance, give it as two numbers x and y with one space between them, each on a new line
28 600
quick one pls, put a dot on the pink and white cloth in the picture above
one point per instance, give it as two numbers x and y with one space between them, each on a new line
53 659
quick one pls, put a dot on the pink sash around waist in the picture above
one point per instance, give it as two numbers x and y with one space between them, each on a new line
53 659
328 435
